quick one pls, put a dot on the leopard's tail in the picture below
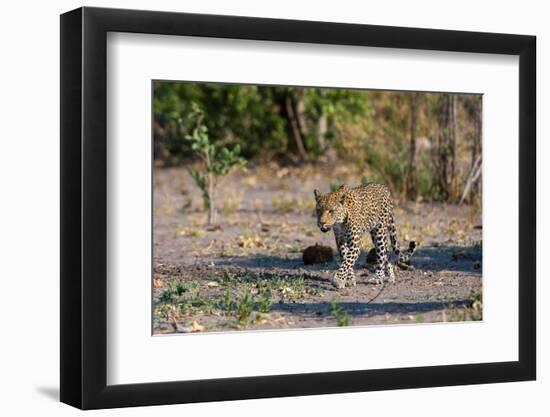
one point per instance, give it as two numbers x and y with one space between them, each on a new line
404 256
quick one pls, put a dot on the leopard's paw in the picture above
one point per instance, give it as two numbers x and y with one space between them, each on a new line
391 274
377 279
338 281
351 279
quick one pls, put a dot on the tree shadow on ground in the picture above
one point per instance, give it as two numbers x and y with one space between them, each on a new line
449 257
429 258
362 309
274 262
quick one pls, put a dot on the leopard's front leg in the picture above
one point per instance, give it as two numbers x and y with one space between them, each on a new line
341 243
379 240
349 250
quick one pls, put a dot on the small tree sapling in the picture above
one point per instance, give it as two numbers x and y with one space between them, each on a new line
217 161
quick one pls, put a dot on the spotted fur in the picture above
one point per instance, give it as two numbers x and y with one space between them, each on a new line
352 212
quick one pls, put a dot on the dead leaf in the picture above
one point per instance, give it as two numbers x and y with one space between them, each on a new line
158 282
196 327
248 242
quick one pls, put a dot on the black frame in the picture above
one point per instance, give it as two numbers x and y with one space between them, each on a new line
84 207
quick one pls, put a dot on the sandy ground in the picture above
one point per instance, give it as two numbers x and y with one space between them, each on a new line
248 273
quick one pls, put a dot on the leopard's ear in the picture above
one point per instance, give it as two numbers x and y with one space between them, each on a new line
342 191
317 194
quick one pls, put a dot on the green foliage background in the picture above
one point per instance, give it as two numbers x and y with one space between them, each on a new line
248 115
370 130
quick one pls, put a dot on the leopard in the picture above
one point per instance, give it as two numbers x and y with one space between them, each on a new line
352 213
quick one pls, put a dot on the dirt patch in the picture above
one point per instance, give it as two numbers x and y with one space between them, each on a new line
248 271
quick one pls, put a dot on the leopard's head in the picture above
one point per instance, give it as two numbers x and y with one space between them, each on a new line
330 208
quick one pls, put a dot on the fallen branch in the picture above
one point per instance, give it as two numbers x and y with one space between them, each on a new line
472 178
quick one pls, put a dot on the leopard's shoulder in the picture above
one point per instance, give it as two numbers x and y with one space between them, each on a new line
372 192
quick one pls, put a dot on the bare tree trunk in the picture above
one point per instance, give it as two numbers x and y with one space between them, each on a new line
443 148
452 144
321 133
211 200
476 146
322 125
411 172
299 112
294 122
475 173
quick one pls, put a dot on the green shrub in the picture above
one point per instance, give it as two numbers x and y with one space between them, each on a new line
217 161
340 314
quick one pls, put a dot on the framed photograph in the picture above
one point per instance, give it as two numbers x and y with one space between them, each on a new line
260 208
